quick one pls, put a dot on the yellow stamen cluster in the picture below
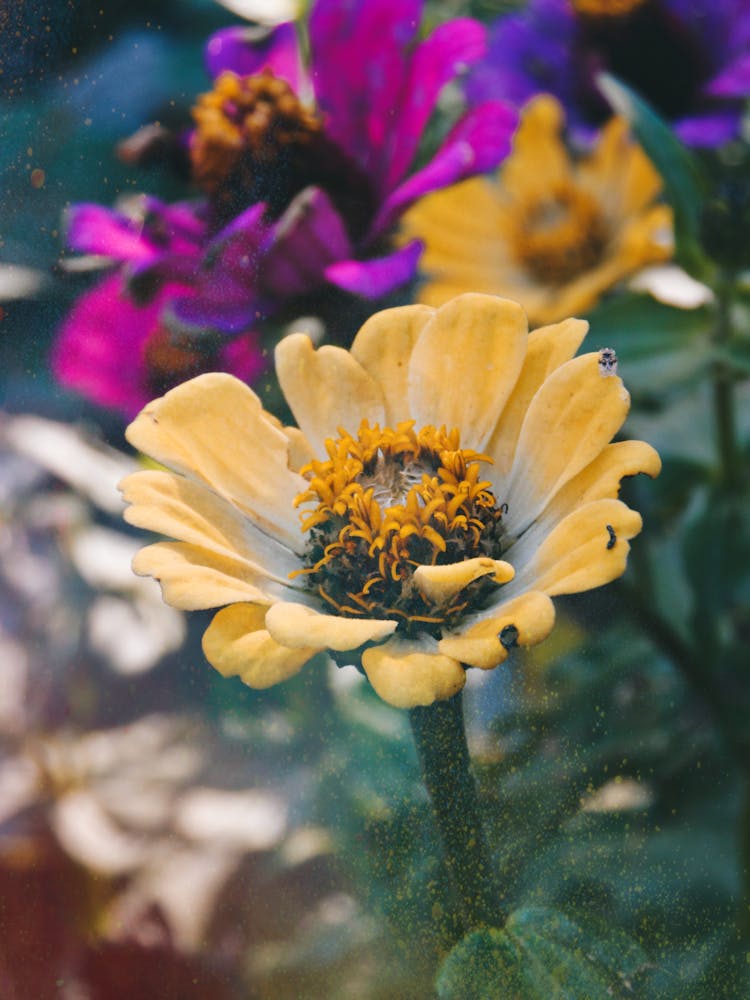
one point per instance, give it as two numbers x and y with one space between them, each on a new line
561 235
387 502
606 8
246 117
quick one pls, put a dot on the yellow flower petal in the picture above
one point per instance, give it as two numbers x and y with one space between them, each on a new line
619 171
601 478
192 578
465 248
439 584
523 621
213 429
296 626
188 511
539 158
586 549
552 232
570 420
326 389
300 452
237 645
383 347
465 364
405 675
548 348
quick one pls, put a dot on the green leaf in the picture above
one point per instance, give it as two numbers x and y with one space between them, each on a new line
684 182
658 346
540 955
737 354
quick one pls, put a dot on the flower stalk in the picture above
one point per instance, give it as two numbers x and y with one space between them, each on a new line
440 739
723 392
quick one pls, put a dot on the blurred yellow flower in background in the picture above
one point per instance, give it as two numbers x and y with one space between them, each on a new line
448 476
550 231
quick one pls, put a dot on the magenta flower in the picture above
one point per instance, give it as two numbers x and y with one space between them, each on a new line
304 173
118 348
375 86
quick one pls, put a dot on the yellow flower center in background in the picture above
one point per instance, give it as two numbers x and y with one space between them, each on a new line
606 8
387 502
561 235
244 119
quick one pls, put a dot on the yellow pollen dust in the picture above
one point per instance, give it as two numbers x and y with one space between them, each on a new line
560 236
255 115
385 502
606 8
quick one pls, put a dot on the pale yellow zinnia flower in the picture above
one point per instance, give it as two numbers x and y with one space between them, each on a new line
550 231
448 476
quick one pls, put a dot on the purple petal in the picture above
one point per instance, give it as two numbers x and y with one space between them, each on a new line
477 144
733 81
376 277
236 248
144 278
309 236
358 52
243 356
246 51
527 52
98 350
435 62
181 220
95 229
212 310
711 129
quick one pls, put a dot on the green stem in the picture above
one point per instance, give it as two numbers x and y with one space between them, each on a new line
440 739
723 392
744 853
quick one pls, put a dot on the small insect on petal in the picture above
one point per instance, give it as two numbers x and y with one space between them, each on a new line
607 362
509 637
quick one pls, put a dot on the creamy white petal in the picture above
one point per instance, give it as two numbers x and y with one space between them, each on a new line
190 512
570 421
296 626
237 645
587 549
213 429
383 347
406 673
326 389
192 578
440 584
485 639
548 348
465 364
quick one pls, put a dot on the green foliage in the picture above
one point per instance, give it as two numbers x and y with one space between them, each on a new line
684 183
540 954
658 346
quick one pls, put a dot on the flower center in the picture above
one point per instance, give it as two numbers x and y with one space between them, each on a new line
256 141
560 236
386 503
646 45
246 126
171 358
606 8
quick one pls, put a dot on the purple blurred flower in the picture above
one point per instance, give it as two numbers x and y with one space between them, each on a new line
119 345
305 171
374 86
690 59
